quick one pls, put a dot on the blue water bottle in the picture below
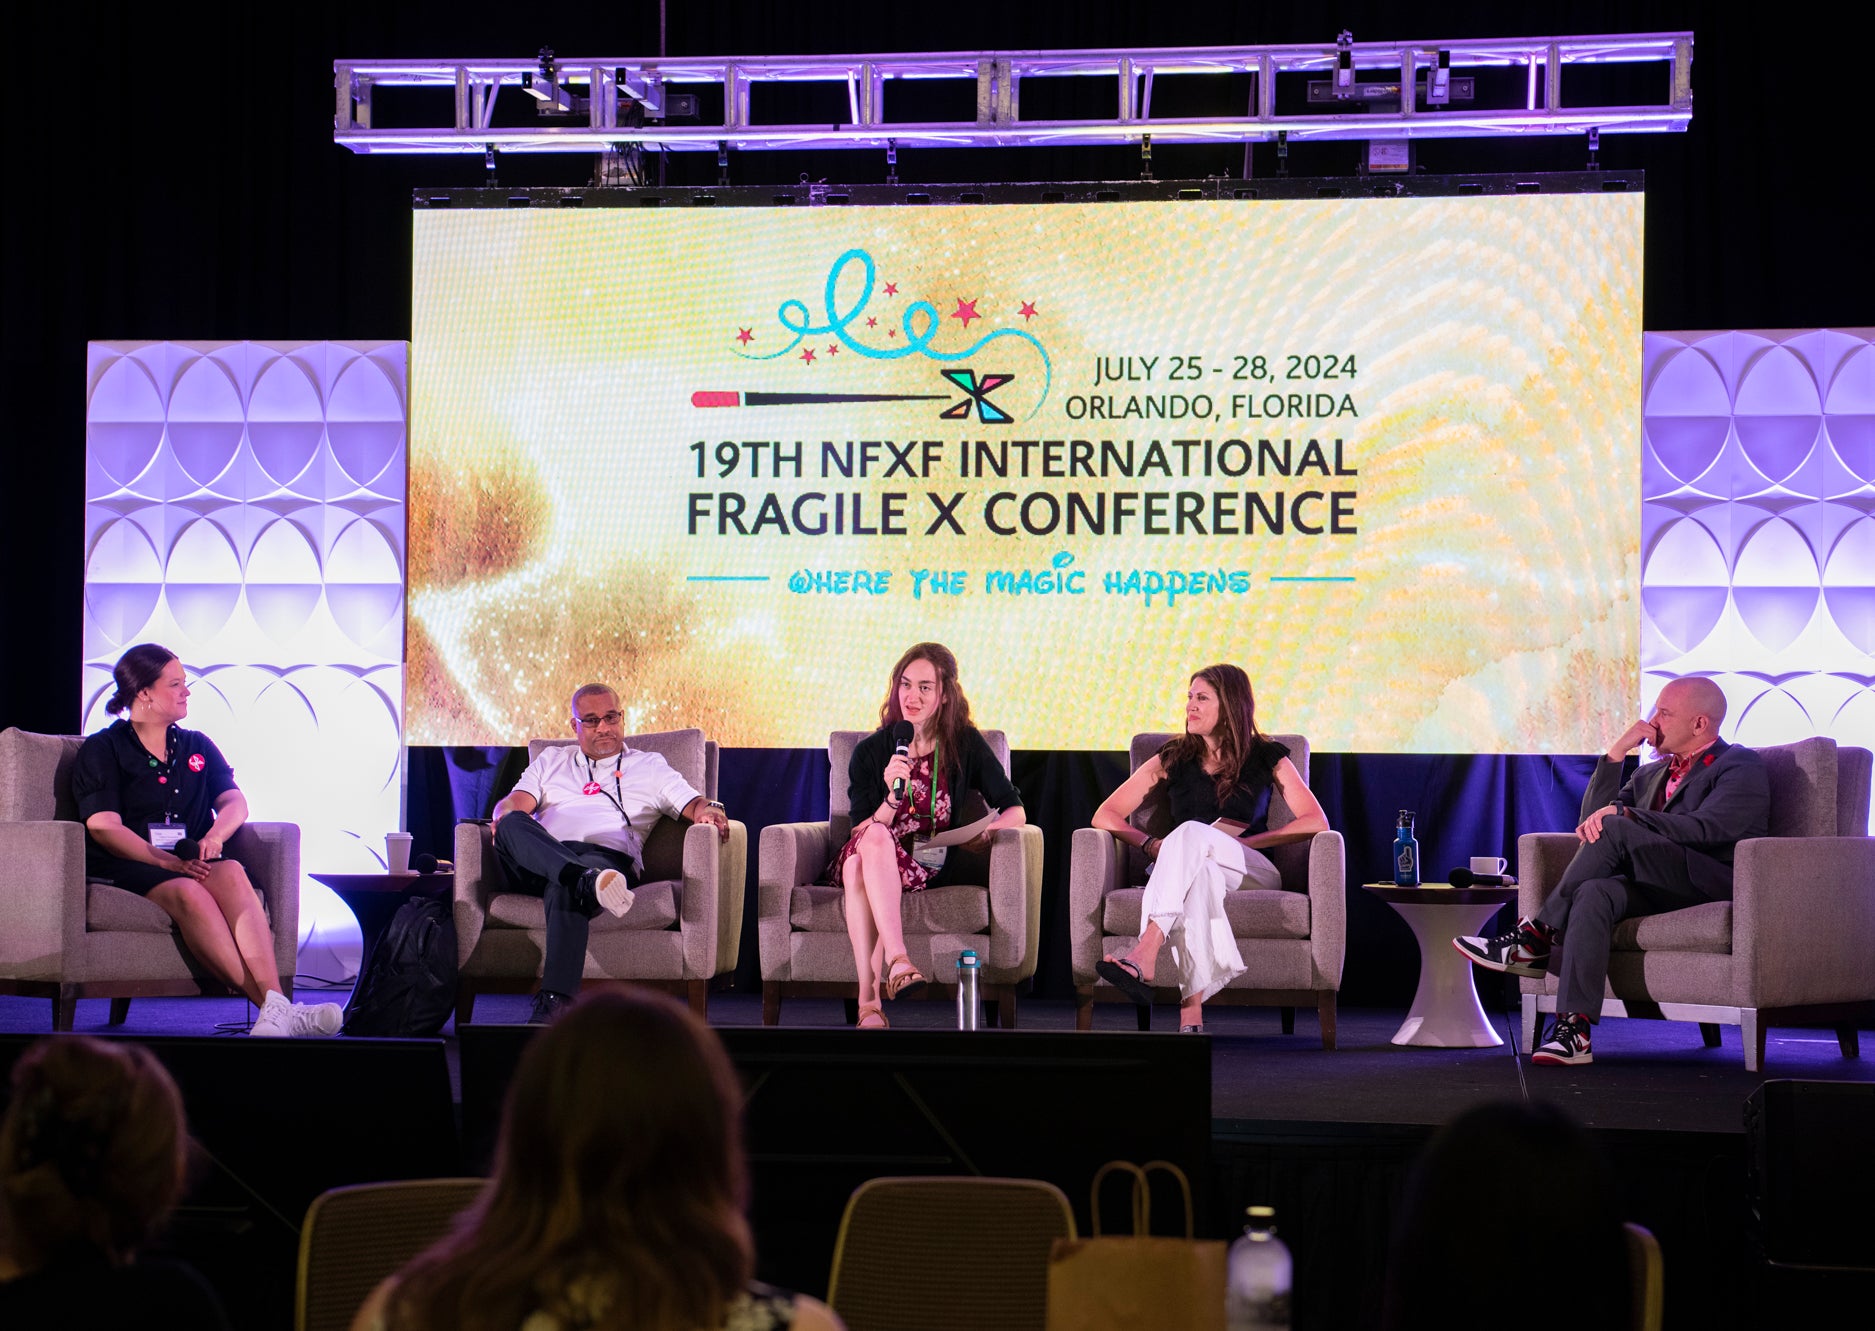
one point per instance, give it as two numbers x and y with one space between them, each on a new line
1405 852
967 1006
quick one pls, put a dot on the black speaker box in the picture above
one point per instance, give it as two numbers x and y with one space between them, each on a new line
1812 1173
828 1109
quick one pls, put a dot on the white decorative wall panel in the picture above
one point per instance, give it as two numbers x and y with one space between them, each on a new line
244 506
1758 526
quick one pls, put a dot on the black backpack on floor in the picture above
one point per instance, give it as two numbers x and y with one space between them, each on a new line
409 985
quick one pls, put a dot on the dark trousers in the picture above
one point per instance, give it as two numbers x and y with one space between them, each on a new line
540 866
1629 871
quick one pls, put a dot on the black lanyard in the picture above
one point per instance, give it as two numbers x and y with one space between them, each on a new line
593 779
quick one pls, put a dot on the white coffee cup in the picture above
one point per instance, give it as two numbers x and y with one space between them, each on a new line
1488 863
397 852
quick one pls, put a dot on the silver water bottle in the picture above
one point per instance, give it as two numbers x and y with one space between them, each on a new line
968 1007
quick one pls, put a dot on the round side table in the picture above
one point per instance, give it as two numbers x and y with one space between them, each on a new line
1445 1012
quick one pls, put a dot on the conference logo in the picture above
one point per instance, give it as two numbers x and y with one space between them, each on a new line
876 328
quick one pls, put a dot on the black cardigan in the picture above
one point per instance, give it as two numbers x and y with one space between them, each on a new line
976 768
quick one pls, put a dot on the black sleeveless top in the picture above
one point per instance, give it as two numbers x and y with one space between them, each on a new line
1192 792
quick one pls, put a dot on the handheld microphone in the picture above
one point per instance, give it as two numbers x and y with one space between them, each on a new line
901 737
424 863
1466 878
187 849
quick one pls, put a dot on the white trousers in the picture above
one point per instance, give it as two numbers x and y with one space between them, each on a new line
1197 865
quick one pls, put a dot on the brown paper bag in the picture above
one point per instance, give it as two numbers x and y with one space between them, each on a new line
1136 1283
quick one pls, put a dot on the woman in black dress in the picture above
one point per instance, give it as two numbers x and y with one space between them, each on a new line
146 788
898 797
1222 767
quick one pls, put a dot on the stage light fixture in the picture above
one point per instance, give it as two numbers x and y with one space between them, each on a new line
1344 66
544 86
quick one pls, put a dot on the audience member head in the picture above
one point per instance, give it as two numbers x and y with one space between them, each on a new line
92 1150
618 1184
135 671
952 717
1460 1259
1232 730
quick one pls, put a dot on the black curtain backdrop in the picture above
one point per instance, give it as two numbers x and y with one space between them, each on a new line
172 175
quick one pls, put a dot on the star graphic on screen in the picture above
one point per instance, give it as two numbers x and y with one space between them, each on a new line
807 354
872 323
745 336
891 332
891 288
966 310
833 348
1028 310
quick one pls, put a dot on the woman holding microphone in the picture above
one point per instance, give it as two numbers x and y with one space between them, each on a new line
903 784
159 804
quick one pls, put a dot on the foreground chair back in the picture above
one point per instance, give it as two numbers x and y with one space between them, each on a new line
1648 1276
1293 941
947 1252
355 1237
64 938
684 926
1791 947
802 924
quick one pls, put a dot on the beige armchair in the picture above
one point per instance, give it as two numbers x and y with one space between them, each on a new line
802 925
684 926
1794 946
1293 941
64 938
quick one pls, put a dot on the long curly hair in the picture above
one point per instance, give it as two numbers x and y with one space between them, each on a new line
952 721
92 1151
619 1188
1235 734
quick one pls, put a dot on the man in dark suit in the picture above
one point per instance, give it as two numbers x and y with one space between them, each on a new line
1660 842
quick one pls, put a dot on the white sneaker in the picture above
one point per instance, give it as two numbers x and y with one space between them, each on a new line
613 890
280 1020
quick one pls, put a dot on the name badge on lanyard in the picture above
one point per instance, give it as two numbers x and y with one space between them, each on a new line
167 834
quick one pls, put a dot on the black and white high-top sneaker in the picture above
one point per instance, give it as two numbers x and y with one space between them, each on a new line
1523 951
1568 1042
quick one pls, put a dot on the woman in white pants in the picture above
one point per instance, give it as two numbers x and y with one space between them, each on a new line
1221 770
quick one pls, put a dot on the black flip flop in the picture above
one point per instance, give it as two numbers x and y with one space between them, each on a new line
1124 976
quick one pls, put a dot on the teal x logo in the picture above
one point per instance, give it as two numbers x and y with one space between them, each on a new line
979 390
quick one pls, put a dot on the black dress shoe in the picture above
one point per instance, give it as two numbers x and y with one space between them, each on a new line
547 1006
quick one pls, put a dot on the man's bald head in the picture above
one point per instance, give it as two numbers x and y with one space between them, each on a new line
1687 714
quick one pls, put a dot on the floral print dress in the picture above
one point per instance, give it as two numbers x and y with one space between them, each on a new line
921 814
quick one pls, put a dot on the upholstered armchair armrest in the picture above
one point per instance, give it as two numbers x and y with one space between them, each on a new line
478 879
789 856
270 854
715 873
1096 866
1328 906
1541 859
1803 920
42 897
1015 904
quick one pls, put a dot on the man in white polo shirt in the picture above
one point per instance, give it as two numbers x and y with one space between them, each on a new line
572 832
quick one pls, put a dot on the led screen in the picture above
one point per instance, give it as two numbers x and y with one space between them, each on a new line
1383 453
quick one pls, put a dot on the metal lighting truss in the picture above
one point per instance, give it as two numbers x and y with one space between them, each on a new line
592 105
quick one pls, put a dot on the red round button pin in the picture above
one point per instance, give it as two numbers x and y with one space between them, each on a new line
590 788
197 762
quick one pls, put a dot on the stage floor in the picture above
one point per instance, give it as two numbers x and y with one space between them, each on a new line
1647 1075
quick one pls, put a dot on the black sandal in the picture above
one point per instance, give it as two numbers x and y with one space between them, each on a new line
1124 975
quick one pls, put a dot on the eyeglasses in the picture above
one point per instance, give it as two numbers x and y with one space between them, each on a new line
609 719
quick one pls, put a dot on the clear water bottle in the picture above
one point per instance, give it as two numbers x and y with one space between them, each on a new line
1260 1269
1405 852
967 1006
